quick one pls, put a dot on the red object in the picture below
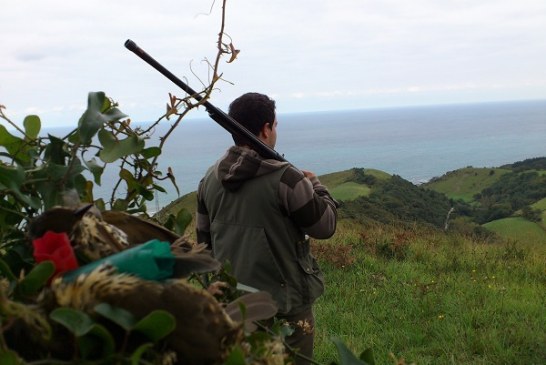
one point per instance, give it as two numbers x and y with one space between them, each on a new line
55 247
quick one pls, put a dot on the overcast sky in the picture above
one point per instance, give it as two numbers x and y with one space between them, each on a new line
309 55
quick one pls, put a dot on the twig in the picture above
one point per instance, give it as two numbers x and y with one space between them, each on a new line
4 116
207 91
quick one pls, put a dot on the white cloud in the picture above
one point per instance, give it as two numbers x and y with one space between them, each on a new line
351 52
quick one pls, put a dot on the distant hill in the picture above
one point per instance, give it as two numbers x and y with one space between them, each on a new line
509 200
391 199
518 228
351 184
465 183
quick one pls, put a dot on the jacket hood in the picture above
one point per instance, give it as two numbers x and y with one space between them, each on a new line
241 164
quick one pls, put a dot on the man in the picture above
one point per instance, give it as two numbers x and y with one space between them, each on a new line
256 213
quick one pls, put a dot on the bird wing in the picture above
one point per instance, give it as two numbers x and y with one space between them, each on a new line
251 307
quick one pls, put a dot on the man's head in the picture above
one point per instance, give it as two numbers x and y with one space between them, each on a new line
256 112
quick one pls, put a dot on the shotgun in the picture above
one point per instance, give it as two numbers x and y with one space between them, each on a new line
227 122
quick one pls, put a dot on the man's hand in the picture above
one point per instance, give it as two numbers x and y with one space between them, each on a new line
308 174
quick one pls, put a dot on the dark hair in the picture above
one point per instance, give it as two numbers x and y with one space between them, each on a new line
252 110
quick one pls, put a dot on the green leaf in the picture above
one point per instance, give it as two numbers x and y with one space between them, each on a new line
128 177
114 148
56 179
95 169
99 112
55 151
151 152
12 179
6 272
139 352
54 171
345 355
32 126
159 188
156 325
120 204
236 356
145 193
8 357
19 257
98 343
76 321
36 279
91 121
119 316
14 145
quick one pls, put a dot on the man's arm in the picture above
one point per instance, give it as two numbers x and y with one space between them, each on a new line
202 221
308 203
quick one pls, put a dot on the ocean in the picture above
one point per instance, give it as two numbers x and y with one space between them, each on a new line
416 143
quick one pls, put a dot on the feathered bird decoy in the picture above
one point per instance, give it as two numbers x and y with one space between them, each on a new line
202 330
205 329
91 237
95 235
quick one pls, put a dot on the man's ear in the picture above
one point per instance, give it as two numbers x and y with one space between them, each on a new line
266 130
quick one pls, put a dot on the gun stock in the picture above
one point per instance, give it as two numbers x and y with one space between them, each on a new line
223 119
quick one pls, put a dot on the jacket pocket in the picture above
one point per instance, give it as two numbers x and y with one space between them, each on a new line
312 279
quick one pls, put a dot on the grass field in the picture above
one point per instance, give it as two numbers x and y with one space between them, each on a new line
518 228
349 190
541 204
431 298
465 183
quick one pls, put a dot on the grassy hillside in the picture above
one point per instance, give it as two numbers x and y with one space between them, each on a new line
367 195
484 196
415 293
466 182
348 184
431 298
518 228
351 184
508 200
343 185
335 179
541 206
350 191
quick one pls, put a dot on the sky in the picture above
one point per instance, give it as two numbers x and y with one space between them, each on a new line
308 55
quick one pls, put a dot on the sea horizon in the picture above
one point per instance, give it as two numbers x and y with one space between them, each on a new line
417 143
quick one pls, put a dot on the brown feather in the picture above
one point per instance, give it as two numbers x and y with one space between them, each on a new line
250 308
138 230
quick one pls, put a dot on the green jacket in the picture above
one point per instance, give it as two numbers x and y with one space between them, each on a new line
249 227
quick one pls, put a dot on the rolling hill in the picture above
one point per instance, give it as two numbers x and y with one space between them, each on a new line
509 200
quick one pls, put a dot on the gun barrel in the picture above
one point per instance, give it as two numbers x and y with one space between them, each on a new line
223 119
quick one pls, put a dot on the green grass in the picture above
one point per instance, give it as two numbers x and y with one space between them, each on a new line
519 229
541 204
338 178
381 175
467 182
428 297
349 191
443 300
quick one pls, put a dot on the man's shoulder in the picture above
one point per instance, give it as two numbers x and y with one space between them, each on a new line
291 176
